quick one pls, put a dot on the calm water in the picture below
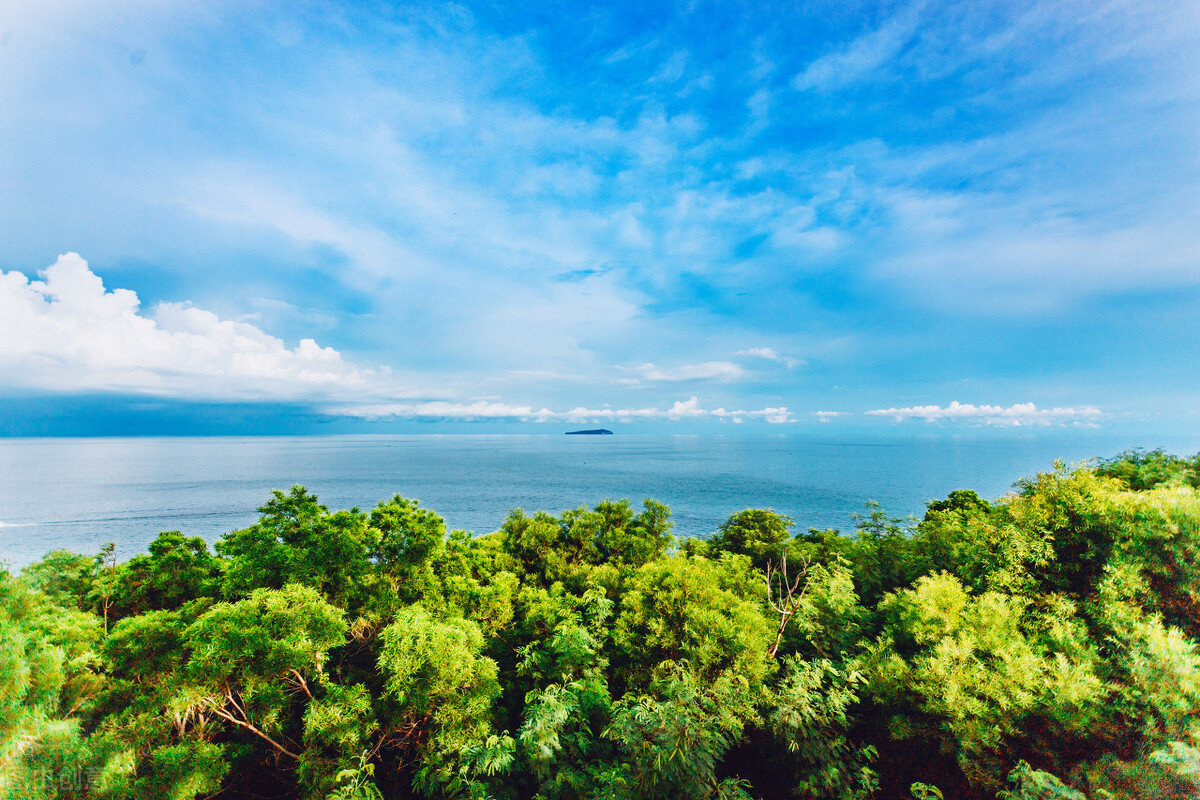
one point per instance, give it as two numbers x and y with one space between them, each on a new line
80 493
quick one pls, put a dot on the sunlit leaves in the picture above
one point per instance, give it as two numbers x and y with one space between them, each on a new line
811 712
710 614
443 689
673 736
971 665
1050 636
267 635
337 729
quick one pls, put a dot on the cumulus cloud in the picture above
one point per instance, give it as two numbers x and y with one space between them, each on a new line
771 355
825 416
492 410
1017 415
67 333
719 371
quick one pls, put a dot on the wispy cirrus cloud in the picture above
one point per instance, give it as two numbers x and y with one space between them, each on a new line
717 371
1016 415
857 60
466 195
771 355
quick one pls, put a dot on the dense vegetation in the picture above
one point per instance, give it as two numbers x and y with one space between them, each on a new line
1041 646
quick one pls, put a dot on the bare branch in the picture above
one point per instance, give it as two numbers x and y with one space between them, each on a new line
225 715
301 683
784 599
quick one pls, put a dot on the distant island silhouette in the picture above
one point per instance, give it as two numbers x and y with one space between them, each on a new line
595 432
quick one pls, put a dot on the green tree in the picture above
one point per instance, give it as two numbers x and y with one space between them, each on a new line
976 676
405 541
48 679
1139 469
673 737
297 540
568 704
760 534
177 570
811 713
711 614
442 692
211 690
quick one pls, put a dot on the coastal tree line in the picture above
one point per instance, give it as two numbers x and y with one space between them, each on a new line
1042 645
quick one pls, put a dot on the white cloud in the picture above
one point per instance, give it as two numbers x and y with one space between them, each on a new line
720 371
759 108
489 410
443 410
421 176
771 355
66 333
228 194
825 416
857 60
673 69
1018 415
953 253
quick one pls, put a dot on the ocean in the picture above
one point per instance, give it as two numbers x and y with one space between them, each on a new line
80 493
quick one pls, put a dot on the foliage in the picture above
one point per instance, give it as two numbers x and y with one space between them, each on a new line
811 712
976 667
760 534
1140 469
707 613
354 783
442 689
673 737
1042 645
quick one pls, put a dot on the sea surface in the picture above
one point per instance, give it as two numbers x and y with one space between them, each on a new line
80 493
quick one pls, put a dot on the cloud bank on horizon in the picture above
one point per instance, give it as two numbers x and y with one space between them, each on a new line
843 214
66 333
1015 416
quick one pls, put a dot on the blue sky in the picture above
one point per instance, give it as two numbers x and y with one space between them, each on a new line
818 216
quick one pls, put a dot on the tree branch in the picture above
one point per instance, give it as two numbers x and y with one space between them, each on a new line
303 684
788 604
225 715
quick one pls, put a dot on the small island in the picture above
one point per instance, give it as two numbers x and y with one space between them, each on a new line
596 432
